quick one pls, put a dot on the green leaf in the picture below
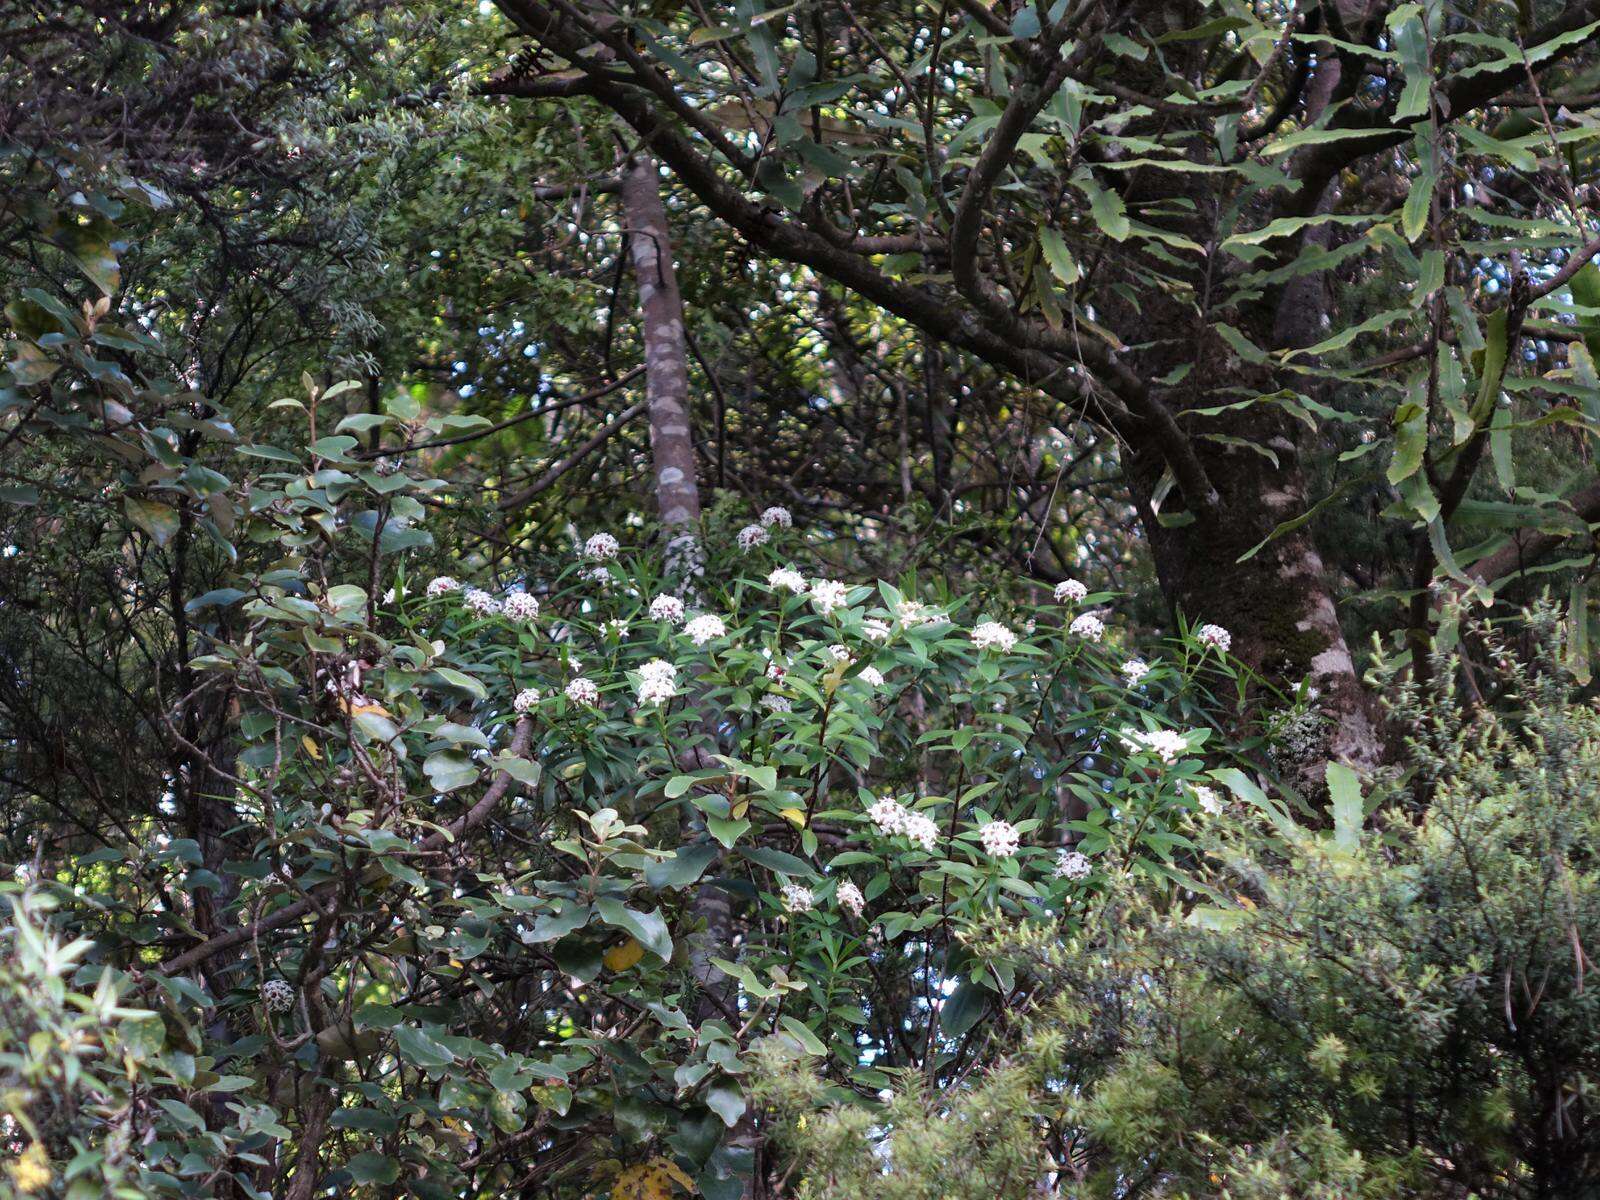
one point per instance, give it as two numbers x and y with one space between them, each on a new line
448 770
371 1167
963 1009
1105 206
1344 791
159 520
778 860
684 868
801 1032
1025 25
726 1100
418 1048
650 928
1056 254
459 679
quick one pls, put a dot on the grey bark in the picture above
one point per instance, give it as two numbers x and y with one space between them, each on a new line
665 358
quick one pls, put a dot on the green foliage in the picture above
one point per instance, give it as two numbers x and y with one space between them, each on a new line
1401 1006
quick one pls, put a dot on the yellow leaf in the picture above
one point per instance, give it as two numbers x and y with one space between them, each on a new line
795 816
739 809
355 710
311 747
651 1180
1245 901
623 956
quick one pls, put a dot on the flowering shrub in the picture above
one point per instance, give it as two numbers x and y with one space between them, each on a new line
535 855
1268 1030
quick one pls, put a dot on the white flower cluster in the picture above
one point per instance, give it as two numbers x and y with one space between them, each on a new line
777 703
787 579
527 699
617 629
277 995
828 594
991 635
1088 627
705 628
1070 591
666 608
602 547
1000 839
839 653
443 585
891 817
1071 865
658 681
520 606
583 691
480 601
777 515
1165 744
1215 635
1134 670
875 629
850 897
1206 798
871 676
797 898
752 536
600 576
914 612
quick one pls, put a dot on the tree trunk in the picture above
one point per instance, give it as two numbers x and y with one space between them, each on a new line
1277 604
666 361
678 499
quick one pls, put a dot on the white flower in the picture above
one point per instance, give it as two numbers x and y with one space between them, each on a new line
889 815
1215 635
991 635
1089 627
277 995
1070 590
442 585
1165 744
583 691
526 700
656 689
1071 865
601 547
658 681
999 838
659 668
849 896
828 594
667 608
875 630
872 676
839 653
752 536
777 515
1207 799
617 629
1134 670
777 703
922 830
913 612
787 579
598 575
480 601
776 670
797 898
520 606
705 628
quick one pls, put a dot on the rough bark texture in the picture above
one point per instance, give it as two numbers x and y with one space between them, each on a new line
665 356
